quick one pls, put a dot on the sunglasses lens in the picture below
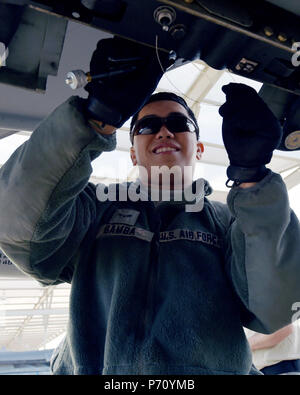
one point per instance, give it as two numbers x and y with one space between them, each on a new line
148 126
174 123
179 124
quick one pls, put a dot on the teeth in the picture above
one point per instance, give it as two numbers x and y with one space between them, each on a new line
165 149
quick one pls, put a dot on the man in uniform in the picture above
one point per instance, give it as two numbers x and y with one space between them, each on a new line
156 288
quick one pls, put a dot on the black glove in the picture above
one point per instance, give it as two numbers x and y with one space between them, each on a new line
114 99
250 131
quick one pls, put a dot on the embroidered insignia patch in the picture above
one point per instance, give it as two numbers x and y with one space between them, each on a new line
124 216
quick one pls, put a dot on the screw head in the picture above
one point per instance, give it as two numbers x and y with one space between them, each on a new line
282 37
75 14
268 31
178 31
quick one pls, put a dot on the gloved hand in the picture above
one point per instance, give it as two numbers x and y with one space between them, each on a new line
115 99
250 132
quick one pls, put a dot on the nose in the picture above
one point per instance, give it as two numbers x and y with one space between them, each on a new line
164 132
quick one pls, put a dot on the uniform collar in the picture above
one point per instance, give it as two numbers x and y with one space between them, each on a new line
192 197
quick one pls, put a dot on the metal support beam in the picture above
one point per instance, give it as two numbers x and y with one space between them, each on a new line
30 313
200 88
293 179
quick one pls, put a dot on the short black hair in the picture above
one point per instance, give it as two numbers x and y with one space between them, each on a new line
164 96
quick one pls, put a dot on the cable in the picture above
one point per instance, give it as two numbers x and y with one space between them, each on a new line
164 70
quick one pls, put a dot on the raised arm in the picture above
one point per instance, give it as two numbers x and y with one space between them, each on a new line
263 242
47 205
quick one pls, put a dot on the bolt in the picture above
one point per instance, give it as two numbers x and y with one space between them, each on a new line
165 16
75 14
268 31
282 37
178 32
172 55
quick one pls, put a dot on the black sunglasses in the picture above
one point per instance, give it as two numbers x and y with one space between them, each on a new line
175 123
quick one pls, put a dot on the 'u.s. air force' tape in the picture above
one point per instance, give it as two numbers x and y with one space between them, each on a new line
192 235
170 235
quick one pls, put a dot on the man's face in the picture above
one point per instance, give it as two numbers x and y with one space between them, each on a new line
146 148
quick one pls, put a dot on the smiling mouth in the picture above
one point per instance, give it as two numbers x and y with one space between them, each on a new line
165 150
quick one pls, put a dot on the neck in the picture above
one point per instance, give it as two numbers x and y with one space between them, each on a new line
169 185
166 180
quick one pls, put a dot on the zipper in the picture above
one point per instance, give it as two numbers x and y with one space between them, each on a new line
151 286
147 313
153 269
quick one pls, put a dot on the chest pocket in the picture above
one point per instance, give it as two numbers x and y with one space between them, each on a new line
124 216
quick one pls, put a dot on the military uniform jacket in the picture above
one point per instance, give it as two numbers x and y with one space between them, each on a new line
155 289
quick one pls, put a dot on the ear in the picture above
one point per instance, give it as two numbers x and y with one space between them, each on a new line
133 156
200 150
